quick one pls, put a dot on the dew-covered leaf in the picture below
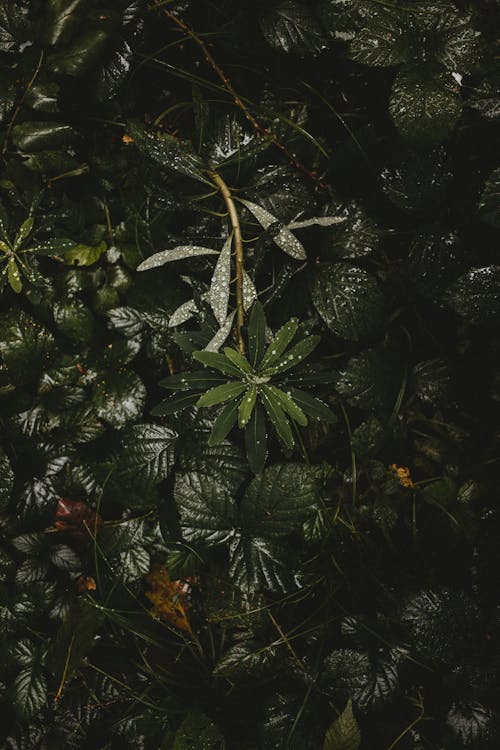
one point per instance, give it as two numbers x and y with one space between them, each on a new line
288 26
220 286
476 295
149 451
6 480
279 500
258 564
489 205
284 238
176 253
119 397
207 510
84 255
348 299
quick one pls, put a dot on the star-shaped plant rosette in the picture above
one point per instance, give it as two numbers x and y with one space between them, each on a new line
257 392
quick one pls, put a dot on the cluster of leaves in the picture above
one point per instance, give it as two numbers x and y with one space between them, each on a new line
241 185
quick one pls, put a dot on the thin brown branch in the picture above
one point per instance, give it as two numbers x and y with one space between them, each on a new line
260 129
238 255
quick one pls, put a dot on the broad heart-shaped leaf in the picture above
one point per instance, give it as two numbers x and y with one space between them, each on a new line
119 397
149 451
489 205
220 286
198 731
6 480
25 345
284 238
381 41
288 26
207 510
348 299
84 255
74 320
278 500
258 564
176 253
167 151
425 103
476 295
30 689
256 334
344 733
472 724
256 440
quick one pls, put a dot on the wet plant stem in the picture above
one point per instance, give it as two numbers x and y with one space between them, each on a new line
238 255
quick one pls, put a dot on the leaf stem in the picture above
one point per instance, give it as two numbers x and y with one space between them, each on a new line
20 103
238 255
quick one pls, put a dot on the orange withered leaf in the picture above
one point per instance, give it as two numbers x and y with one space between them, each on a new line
403 474
170 599
86 583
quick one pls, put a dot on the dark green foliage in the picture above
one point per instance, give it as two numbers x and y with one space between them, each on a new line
249 304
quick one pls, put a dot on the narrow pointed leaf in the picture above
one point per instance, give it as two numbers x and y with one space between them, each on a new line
279 343
249 291
188 381
344 733
14 276
24 231
224 423
312 406
221 393
278 419
217 362
246 406
288 405
238 360
184 312
221 283
284 239
220 337
295 356
256 440
256 334
174 404
176 253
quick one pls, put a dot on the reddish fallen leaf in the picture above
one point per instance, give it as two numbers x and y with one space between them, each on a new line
77 518
86 583
170 599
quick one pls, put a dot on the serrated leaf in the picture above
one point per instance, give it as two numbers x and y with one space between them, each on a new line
119 397
489 205
206 508
476 295
30 690
25 345
348 299
221 393
6 480
74 320
149 452
176 253
279 500
344 733
258 564
65 558
288 26
425 104
220 286
284 238
381 42
197 730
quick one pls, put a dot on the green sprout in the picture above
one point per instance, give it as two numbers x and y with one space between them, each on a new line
254 388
